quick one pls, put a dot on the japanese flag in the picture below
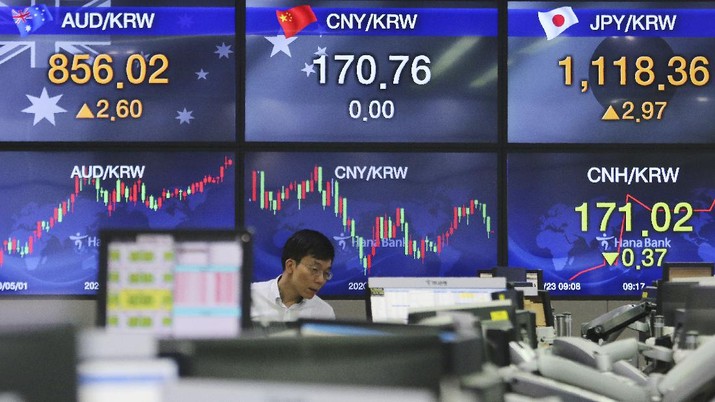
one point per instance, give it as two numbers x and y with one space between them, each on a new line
556 21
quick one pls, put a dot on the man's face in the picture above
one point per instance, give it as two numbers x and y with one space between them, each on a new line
308 275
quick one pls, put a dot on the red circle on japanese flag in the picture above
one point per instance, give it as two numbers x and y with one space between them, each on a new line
558 20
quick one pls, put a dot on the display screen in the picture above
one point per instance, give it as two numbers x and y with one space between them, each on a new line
55 203
604 224
610 72
392 299
371 71
389 214
177 284
118 70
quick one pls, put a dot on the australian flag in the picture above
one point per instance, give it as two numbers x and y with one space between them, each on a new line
30 19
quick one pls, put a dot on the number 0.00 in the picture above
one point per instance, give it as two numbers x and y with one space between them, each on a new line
376 109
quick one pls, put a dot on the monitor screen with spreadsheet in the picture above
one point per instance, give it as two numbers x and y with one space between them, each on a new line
175 284
392 298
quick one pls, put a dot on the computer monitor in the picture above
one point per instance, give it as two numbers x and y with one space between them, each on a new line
340 327
463 349
526 327
681 270
515 296
496 320
485 273
125 379
38 363
535 276
512 274
175 284
491 310
391 298
410 361
670 297
526 280
541 306
699 312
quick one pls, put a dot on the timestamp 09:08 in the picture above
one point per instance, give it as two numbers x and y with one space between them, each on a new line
564 286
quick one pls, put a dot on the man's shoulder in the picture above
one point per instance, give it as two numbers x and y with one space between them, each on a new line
323 306
263 283
318 300
316 307
263 286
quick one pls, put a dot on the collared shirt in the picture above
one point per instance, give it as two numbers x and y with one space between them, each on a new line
267 306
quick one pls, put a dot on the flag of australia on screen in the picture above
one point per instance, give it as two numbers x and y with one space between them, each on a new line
30 19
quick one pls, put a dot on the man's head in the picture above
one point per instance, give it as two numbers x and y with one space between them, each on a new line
307 258
308 242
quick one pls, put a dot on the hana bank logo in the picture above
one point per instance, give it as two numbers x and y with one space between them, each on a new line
82 243
604 240
362 243
341 240
30 19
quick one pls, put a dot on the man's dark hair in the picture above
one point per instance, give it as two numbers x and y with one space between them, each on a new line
308 242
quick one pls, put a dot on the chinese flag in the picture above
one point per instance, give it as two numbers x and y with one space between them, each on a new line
294 20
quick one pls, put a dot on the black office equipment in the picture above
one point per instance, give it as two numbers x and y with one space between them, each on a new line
541 306
698 317
528 281
670 297
394 361
526 327
608 326
515 296
535 276
494 310
463 347
496 320
512 274
38 363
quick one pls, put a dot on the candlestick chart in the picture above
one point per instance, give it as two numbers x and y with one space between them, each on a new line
56 204
391 214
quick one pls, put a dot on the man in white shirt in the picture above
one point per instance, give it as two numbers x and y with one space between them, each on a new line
307 258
